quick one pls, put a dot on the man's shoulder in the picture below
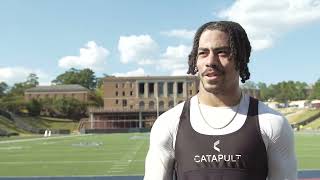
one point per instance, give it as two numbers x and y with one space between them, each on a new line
167 123
265 110
271 118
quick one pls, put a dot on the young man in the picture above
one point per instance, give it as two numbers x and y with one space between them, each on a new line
221 133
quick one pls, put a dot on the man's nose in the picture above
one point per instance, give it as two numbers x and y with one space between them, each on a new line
212 59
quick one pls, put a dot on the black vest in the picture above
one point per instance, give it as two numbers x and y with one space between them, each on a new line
240 155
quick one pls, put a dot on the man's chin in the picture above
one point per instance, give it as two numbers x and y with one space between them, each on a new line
213 88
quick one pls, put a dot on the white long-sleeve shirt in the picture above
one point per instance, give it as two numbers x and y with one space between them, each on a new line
275 130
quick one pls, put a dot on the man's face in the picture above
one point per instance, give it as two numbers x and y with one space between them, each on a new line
215 67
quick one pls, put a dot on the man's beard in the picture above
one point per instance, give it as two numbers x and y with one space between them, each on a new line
217 88
214 87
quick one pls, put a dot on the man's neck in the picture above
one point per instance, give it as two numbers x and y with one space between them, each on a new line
220 99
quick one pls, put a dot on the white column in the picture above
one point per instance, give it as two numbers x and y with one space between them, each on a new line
165 89
146 92
137 89
185 90
175 93
156 94
91 120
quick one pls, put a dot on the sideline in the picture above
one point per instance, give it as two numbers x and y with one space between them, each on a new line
42 138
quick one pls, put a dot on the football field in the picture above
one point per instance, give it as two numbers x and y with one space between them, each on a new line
107 154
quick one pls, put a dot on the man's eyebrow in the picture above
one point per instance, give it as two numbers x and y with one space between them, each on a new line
214 49
202 49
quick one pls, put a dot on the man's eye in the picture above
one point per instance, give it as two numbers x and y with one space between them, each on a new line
201 53
222 53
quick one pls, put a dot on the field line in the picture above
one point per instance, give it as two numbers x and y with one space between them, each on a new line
41 138
63 162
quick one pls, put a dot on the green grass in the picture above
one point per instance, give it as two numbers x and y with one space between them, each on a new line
107 154
9 126
313 125
307 149
110 154
302 116
51 123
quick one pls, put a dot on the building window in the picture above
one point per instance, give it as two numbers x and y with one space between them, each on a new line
190 92
131 85
160 89
180 87
141 105
117 93
151 105
123 85
151 88
124 102
123 93
141 88
131 93
131 106
117 101
170 88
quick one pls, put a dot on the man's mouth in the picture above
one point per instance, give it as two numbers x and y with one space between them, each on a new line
212 74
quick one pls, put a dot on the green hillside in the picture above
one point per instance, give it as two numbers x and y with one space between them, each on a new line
37 122
301 115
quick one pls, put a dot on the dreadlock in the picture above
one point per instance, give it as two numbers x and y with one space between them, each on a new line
238 42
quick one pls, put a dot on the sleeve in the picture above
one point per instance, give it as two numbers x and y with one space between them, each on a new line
160 158
282 162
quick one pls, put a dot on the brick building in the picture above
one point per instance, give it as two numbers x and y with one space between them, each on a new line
57 91
135 102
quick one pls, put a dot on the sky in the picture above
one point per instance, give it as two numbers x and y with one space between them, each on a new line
140 37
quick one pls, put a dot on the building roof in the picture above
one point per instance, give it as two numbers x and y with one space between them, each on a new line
115 78
58 88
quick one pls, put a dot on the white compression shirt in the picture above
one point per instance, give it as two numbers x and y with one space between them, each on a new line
275 130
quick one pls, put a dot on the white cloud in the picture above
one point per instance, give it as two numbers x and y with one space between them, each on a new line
137 72
146 62
180 33
179 72
139 49
175 59
12 75
91 56
265 21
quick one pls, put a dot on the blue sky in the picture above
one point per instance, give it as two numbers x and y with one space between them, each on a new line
140 37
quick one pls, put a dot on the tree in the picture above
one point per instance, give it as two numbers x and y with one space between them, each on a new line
19 88
32 80
34 107
13 104
301 88
315 93
70 108
3 88
265 93
84 77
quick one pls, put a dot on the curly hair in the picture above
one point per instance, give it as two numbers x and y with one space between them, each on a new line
238 41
